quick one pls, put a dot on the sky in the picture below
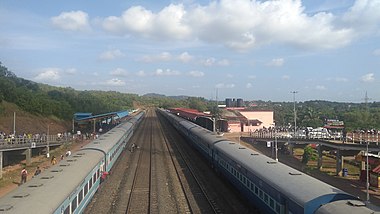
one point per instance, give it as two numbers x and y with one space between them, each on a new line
254 50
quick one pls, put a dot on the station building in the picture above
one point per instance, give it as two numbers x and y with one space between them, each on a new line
234 117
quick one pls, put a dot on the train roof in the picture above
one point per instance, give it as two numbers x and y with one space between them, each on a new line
106 141
45 192
205 134
345 206
296 185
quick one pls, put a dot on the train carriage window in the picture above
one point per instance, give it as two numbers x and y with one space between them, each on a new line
67 210
85 189
265 198
90 183
261 194
271 203
256 190
94 177
278 208
74 204
80 196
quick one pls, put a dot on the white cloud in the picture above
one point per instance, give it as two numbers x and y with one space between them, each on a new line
277 62
230 76
368 77
141 73
285 77
240 24
167 72
251 77
166 24
71 71
114 82
209 61
212 61
185 57
72 21
111 54
376 52
249 85
48 74
224 62
162 57
337 79
196 73
363 16
320 87
223 85
119 72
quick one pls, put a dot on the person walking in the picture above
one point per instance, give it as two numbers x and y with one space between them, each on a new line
24 175
38 171
53 160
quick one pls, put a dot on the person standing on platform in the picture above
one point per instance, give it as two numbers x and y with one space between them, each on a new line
24 175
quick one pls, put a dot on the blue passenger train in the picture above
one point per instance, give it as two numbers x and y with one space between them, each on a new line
271 186
68 187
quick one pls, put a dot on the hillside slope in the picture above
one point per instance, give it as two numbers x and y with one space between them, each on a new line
28 123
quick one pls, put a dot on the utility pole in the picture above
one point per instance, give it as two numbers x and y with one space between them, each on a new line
294 109
366 99
367 182
14 124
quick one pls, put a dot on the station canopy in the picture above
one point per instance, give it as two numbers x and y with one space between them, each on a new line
82 117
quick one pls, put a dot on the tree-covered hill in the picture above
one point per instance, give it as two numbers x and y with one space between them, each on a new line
45 100
50 101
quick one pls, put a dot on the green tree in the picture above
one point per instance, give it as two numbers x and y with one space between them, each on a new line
308 154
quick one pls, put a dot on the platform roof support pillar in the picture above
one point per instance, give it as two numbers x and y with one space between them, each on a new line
28 156
320 157
339 162
1 164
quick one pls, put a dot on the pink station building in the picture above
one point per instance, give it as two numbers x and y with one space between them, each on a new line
232 119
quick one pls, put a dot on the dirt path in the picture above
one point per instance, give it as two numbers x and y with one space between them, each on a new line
13 172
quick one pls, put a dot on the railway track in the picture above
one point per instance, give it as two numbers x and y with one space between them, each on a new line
160 177
196 195
140 193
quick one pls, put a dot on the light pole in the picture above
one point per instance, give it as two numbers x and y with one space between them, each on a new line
47 141
367 182
294 109
275 142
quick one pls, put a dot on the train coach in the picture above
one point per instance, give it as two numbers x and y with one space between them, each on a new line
68 187
271 186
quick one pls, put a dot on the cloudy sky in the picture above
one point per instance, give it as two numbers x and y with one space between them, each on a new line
328 50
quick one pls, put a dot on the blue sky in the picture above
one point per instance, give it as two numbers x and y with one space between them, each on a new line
325 50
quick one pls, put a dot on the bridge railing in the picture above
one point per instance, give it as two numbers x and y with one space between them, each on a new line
22 142
350 137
